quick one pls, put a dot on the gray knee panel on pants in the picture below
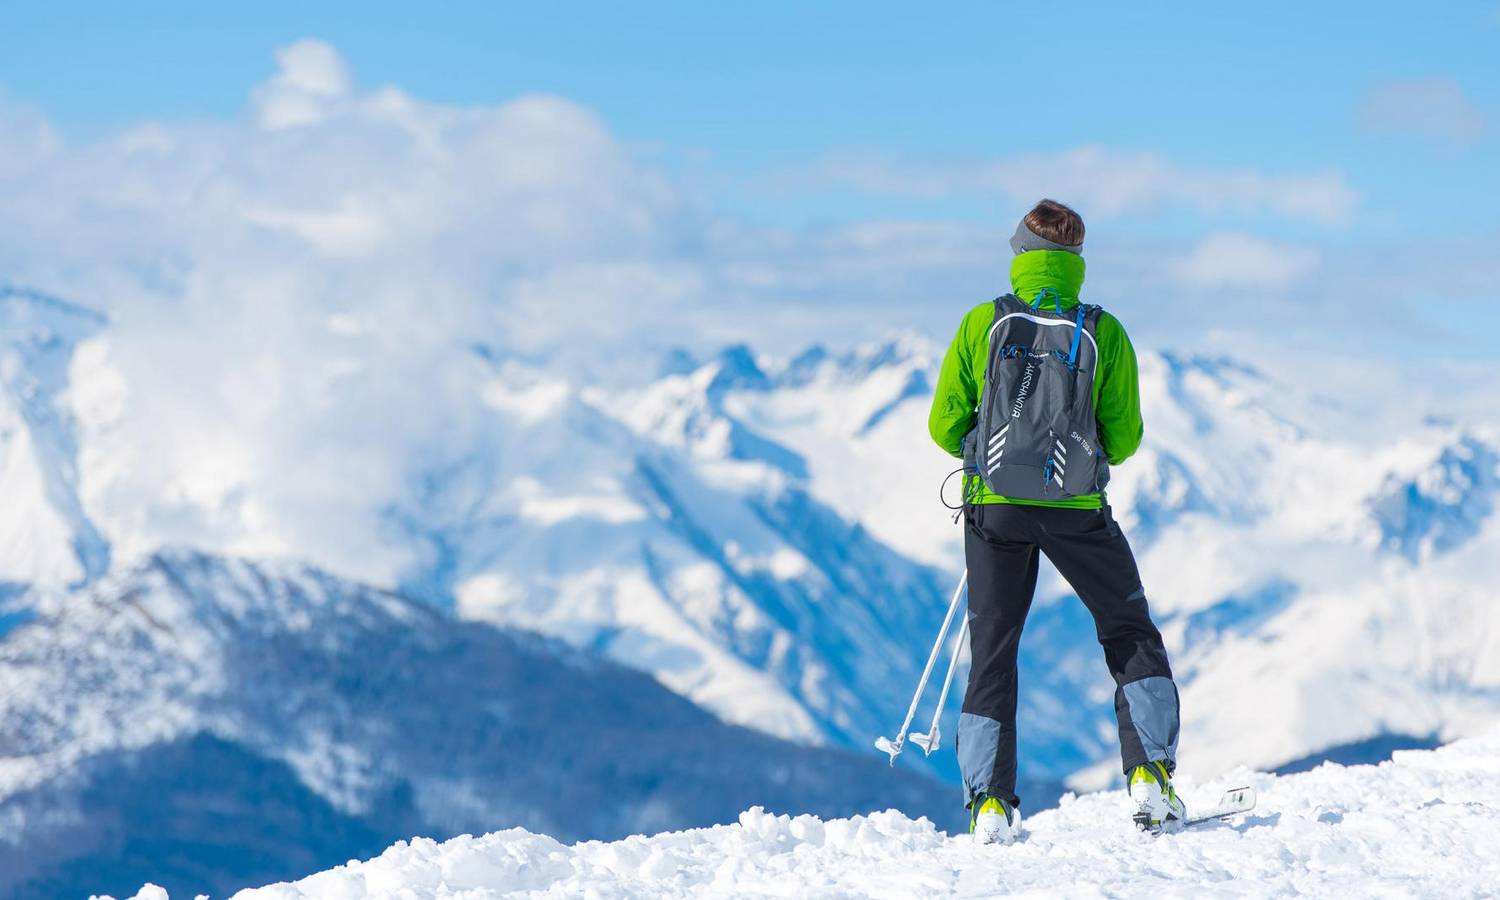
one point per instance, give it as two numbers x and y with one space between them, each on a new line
1152 703
978 743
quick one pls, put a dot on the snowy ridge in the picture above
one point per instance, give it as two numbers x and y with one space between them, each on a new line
212 723
1423 823
1308 569
677 539
46 539
1441 506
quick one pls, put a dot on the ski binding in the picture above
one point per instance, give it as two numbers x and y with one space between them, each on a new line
1234 802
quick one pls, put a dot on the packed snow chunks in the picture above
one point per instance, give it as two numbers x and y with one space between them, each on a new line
1036 438
1421 824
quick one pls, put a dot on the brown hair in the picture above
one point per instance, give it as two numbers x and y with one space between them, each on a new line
1055 222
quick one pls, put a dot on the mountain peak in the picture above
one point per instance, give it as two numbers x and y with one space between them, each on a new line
56 541
904 350
1217 366
738 369
30 316
1443 505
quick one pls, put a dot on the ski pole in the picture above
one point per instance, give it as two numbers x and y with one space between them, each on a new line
933 738
885 744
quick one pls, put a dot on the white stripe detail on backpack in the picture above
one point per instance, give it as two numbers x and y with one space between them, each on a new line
1059 462
997 447
1053 322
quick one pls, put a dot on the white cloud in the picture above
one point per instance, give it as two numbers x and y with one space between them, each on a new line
521 185
348 230
293 295
1106 183
311 78
1435 108
26 139
1232 260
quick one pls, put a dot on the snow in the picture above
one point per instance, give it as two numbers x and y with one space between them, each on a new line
1422 823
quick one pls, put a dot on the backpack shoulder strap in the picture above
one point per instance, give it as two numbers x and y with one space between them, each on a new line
1009 303
1090 321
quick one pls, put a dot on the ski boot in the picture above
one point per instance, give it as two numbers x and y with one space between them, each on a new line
1157 808
993 821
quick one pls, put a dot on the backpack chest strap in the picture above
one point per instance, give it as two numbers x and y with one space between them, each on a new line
1036 306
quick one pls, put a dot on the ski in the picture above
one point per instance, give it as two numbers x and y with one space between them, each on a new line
1234 802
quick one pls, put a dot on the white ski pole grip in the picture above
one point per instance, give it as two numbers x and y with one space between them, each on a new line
885 744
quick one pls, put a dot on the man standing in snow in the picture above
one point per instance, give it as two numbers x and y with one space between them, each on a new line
1039 395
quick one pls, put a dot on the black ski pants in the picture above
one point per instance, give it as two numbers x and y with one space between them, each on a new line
1001 543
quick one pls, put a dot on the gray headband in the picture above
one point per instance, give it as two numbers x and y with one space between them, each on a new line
1025 239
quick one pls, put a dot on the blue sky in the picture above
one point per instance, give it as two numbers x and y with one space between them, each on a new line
730 94
810 118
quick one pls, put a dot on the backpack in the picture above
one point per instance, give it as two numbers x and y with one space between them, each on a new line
1036 437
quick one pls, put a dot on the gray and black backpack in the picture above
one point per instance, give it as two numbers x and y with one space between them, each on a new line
1037 438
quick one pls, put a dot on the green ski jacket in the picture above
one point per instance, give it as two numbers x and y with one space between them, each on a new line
1117 396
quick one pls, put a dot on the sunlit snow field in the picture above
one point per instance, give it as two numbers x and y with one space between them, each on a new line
1423 824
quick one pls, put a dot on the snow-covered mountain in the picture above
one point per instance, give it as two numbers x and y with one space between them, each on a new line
1422 824
717 571
725 579
1322 579
764 536
1318 587
210 723
45 536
